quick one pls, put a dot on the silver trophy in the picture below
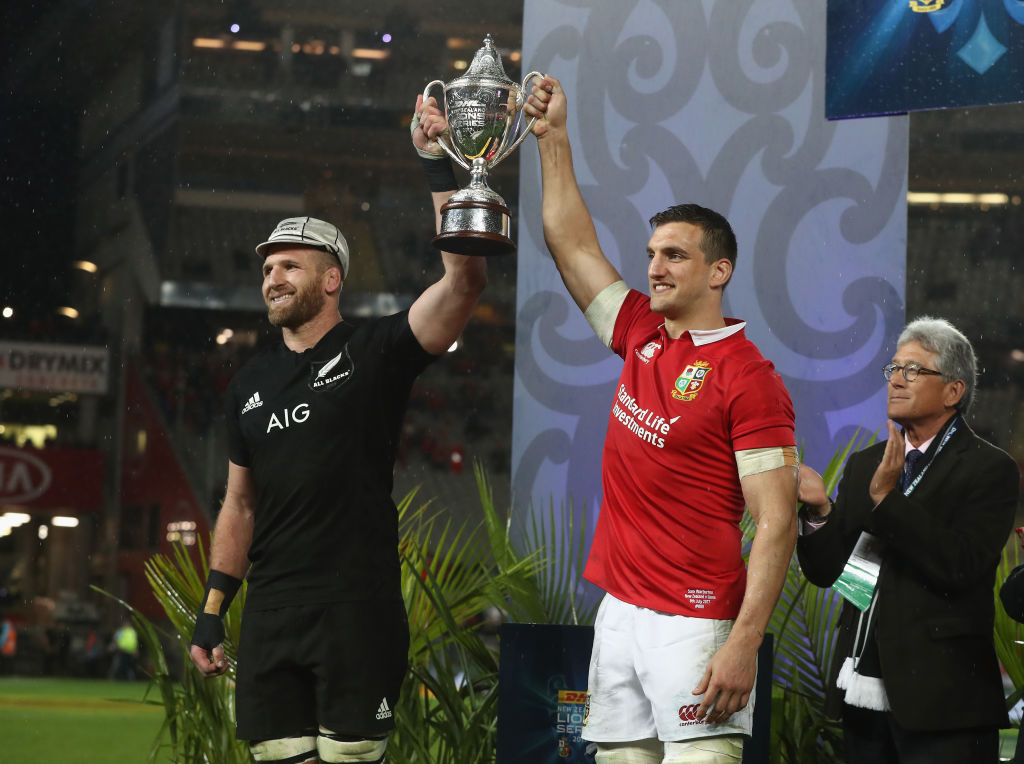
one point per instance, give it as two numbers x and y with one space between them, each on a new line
484 112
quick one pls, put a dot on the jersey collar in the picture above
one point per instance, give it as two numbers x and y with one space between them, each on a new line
707 336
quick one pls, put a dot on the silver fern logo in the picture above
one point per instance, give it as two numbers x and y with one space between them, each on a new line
329 365
332 373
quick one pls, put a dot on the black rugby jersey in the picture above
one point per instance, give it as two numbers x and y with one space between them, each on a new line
318 431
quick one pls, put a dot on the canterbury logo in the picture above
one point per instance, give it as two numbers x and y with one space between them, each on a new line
254 402
383 711
688 715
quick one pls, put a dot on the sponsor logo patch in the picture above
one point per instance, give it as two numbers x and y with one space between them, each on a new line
286 418
253 403
570 716
383 710
689 383
688 715
647 353
23 477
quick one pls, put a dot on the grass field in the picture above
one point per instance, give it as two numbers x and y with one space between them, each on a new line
94 721
77 721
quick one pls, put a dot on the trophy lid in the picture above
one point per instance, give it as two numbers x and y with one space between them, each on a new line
486 64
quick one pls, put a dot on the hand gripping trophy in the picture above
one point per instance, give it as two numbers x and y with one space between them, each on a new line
484 112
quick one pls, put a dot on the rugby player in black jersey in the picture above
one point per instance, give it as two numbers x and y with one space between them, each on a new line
308 518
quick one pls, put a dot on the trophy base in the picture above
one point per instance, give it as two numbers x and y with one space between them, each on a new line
474 228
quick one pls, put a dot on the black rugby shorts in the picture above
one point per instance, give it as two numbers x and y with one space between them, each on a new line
339 666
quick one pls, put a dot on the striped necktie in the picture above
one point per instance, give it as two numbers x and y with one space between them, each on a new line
911 467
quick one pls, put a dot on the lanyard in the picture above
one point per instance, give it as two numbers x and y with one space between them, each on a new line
950 431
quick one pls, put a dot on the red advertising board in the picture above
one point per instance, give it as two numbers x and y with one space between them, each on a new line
51 478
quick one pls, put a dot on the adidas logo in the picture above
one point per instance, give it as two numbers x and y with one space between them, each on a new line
383 711
253 402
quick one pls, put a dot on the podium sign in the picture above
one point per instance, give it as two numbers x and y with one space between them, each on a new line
542 693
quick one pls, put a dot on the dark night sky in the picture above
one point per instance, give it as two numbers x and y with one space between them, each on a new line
37 201
37 140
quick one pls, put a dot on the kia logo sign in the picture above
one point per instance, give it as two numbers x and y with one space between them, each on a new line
23 477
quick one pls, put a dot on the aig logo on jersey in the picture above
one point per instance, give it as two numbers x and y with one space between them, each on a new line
288 417
689 383
333 373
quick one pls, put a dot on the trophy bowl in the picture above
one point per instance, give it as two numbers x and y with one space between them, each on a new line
484 112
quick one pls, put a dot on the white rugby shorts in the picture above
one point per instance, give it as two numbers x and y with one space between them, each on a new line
643 669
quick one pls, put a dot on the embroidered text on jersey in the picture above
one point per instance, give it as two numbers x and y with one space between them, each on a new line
688 383
644 423
383 711
253 402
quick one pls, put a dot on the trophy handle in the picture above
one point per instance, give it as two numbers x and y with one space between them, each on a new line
529 127
444 140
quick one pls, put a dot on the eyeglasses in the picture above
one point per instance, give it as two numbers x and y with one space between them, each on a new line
910 371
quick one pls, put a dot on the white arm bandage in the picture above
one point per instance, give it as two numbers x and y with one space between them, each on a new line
604 309
754 460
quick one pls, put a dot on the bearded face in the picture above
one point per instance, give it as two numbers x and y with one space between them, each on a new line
291 307
294 286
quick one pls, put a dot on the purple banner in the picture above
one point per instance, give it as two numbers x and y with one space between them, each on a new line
719 103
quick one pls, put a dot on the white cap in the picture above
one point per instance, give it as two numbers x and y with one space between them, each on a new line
311 232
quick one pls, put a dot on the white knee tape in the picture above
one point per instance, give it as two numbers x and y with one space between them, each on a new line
637 752
727 749
285 749
340 751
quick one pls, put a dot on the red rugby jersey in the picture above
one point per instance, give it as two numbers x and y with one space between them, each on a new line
668 536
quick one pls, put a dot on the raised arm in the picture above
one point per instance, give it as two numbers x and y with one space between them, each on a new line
568 227
729 678
439 315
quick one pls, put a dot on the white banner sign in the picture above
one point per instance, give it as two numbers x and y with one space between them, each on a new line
58 368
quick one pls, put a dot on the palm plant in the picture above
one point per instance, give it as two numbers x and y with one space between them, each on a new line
1009 634
556 543
448 707
199 713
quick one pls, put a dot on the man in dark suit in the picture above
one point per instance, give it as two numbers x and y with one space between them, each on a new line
914 674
